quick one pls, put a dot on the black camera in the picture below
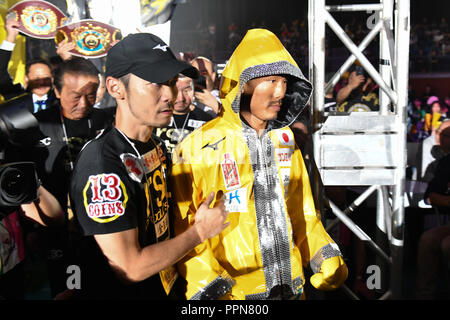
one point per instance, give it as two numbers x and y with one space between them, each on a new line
360 71
18 184
200 83
18 180
18 126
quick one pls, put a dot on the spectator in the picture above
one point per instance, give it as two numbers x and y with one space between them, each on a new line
429 92
206 98
434 148
434 118
38 75
185 118
103 99
233 37
417 120
445 106
68 126
434 244
359 94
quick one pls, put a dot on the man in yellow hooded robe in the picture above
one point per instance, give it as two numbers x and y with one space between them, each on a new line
250 155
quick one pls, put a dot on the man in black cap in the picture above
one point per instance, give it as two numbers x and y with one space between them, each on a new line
120 193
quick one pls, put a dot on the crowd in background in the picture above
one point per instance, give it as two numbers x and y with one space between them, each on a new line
429 52
429 42
429 48
425 112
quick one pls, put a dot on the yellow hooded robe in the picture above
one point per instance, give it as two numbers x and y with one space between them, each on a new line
274 229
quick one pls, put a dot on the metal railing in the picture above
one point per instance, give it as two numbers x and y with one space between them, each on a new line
370 149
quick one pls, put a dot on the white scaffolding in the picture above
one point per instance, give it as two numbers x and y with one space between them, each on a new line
365 148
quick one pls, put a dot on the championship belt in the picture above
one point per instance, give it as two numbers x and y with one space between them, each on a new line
38 19
92 38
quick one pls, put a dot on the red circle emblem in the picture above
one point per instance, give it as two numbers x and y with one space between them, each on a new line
285 137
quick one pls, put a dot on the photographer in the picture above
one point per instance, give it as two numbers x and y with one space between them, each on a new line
64 129
206 95
359 93
45 211
69 125
23 201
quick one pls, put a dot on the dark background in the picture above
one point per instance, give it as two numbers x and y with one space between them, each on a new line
196 15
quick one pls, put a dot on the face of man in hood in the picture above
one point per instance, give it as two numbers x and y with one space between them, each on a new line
262 98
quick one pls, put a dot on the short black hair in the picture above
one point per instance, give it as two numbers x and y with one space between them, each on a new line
125 80
75 65
36 61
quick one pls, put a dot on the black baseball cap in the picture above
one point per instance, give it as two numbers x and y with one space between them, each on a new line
148 57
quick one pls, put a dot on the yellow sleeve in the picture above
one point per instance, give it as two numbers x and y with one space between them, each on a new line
310 237
206 278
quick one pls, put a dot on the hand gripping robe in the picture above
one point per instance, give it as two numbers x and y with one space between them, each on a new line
274 229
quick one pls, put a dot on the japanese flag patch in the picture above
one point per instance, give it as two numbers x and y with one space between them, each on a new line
285 138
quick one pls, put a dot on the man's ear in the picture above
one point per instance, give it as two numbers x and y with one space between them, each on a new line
25 82
57 93
247 89
115 88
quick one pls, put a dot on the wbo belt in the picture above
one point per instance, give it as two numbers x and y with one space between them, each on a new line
38 19
92 38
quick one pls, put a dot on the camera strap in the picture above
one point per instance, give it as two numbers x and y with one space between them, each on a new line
66 139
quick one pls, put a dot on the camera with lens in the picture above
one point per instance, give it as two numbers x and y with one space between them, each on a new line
18 180
18 185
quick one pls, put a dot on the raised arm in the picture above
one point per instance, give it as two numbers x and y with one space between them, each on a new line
7 88
353 82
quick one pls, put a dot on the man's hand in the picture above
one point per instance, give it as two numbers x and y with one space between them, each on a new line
207 98
12 29
209 222
64 48
355 80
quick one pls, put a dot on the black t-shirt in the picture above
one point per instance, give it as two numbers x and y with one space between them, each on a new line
330 105
441 181
78 133
117 185
54 154
180 126
360 102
